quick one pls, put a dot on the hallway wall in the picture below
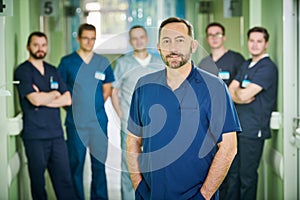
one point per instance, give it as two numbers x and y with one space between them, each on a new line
272 19
26 19
16 30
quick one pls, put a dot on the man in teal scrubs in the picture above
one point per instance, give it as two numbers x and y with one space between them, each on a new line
88 77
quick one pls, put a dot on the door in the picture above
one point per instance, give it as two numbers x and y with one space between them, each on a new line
291 99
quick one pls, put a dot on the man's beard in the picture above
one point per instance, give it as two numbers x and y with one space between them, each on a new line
37 54
184 60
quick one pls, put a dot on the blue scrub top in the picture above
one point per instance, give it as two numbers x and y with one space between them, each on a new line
85 82
39 122
229 63
255 116
180 130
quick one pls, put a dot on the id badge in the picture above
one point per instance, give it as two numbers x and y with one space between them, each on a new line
225 75
99 75
245 83
54 85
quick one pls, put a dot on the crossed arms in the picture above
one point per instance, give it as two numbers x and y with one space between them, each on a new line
53 99
243 95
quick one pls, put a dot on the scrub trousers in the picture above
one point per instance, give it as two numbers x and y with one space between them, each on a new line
127 191
49 154
77 145
242 178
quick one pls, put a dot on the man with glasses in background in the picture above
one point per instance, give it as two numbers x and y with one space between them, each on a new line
221 62
88 77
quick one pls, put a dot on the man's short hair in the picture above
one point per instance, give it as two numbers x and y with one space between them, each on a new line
215 24
177 20
38 34
85 27
137 26
260 30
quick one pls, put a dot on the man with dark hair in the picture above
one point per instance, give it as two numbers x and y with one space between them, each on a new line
254 90
128 70
221 62
89 77
42 92
182 124
85 27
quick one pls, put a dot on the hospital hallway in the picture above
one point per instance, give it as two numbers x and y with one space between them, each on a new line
59 20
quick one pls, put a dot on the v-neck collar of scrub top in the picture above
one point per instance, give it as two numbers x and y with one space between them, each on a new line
83 62
45 69
192 75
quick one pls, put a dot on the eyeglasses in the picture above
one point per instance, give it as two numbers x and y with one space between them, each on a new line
218 35
88 39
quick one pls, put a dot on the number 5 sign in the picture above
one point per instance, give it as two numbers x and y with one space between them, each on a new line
49 7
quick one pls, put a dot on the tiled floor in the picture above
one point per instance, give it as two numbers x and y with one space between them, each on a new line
113 163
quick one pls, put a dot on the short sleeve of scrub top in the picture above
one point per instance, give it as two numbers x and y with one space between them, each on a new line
24 75
263 76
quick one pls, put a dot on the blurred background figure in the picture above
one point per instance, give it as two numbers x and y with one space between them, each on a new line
221 62
42 92
88 76
128 70
254 90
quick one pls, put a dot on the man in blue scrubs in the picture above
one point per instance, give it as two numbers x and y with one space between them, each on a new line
254 90
222 62
42 92
182 124
88 77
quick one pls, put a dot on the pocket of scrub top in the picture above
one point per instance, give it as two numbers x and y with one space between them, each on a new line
37 117
142 191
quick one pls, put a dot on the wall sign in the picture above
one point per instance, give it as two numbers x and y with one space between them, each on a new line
49 7
232 8
6 7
